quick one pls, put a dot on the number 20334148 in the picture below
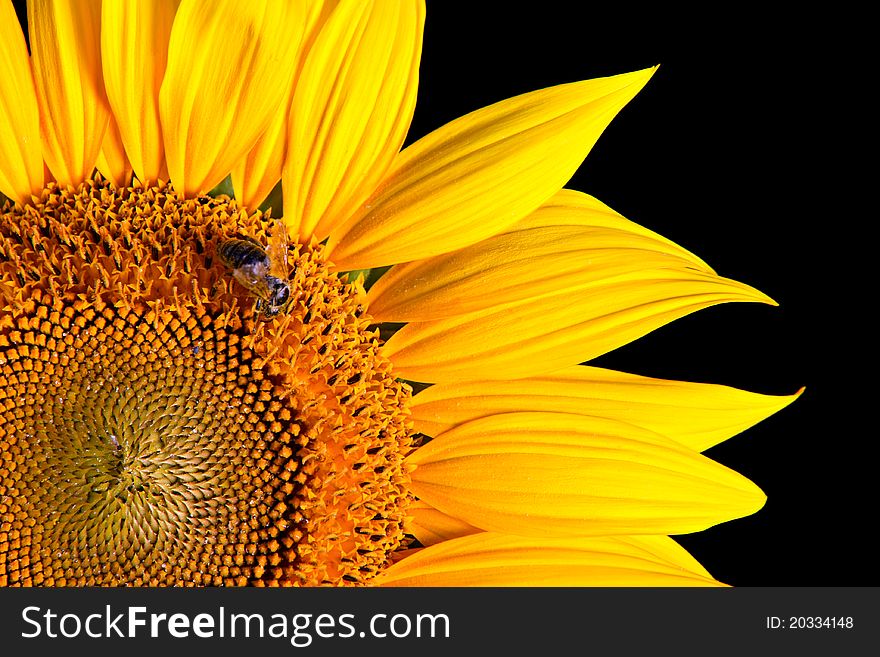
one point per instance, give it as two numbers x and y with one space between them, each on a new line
810 622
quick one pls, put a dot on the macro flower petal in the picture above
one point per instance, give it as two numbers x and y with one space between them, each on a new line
430 525
697 415
257 174
134 50
112 161
21 165
230 67
481 173
558 329
491 559
65 37
560 474
571 241
351 111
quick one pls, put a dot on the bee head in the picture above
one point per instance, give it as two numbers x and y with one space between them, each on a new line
279 293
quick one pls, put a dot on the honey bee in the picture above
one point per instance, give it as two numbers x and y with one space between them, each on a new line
261 270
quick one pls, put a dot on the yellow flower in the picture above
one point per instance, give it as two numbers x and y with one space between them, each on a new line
179 408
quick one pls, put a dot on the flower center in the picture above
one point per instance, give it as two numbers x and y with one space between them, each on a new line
157 429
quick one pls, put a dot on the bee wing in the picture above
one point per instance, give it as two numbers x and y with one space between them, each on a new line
251 279
277 250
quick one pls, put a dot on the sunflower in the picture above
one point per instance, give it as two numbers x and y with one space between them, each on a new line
414 408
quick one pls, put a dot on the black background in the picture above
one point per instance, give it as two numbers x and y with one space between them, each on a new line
740 149
737 149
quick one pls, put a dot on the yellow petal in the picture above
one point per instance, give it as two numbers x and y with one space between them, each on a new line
431 526
481 173
546 333
571 241
490 559
230 67
134 49
559 474
66 51
255 176
352 108
697 415
663 547
112 162
21 163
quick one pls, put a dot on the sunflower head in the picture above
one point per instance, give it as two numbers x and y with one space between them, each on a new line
155 430
186 399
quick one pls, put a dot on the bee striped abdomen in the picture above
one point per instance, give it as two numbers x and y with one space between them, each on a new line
236 253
